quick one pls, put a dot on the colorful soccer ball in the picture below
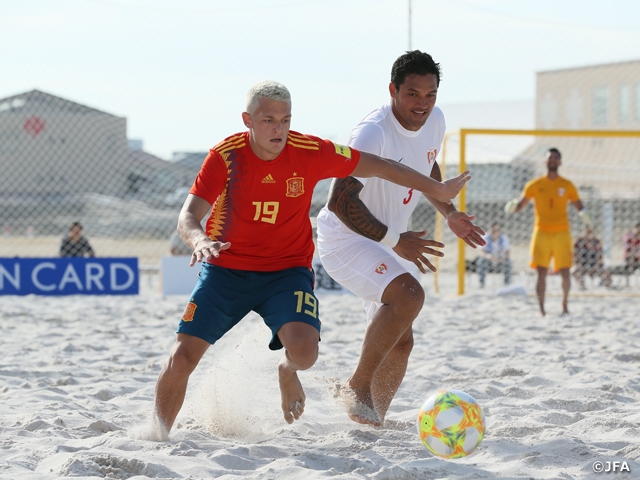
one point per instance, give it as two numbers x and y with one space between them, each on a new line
451 424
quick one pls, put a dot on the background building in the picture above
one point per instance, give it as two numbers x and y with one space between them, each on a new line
51 148
598 97
63 162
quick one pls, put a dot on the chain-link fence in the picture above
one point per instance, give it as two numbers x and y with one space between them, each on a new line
592 115
605 168
62 162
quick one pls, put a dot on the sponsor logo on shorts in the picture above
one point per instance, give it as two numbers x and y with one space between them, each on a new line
189 310
381 269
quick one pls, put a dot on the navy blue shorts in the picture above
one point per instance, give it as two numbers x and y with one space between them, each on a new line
223 296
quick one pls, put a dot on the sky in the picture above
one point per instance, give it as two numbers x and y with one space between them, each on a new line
179 70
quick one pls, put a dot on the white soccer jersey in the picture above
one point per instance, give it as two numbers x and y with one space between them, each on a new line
380 133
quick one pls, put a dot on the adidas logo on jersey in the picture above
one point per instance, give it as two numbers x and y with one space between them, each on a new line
268 179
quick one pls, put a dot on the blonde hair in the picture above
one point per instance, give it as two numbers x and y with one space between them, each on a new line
267 88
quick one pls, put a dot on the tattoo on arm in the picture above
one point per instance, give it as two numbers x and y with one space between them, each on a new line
345 202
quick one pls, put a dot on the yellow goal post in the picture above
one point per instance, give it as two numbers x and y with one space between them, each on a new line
605 162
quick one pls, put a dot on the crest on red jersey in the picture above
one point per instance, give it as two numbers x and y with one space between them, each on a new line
295 186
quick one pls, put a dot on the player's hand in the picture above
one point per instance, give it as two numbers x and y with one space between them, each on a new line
207 249
413 246
586 218
451 188
511 206
460 224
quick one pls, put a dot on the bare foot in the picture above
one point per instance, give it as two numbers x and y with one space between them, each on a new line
291 392
359 406
155 430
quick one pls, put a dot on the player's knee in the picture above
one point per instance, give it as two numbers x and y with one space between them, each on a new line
181 362
406 295
303 353
412 299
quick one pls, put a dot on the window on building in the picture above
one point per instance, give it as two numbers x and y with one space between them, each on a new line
624 103
637 103
600 106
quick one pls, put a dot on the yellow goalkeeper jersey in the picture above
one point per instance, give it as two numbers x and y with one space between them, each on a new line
551 198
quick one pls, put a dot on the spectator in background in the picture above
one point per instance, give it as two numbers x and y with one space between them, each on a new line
631 243
494 256
177 246
587 257
75 244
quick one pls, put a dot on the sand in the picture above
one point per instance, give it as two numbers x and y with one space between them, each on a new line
77 378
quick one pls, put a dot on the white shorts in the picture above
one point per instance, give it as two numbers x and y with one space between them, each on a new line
364 267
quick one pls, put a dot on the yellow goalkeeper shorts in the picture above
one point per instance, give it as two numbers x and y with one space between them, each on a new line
548 245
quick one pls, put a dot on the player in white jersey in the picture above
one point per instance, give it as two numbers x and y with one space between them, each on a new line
362 238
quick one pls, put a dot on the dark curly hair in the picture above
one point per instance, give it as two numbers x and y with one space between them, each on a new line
414 62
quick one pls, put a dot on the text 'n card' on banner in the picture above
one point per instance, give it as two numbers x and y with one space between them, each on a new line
69 276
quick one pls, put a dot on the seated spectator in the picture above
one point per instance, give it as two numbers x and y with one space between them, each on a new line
177 246
74 244
494 256
587 258
631 243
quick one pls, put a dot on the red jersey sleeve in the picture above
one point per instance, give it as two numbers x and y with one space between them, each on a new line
337 160
211 179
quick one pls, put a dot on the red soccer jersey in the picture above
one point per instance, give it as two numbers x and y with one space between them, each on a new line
262 207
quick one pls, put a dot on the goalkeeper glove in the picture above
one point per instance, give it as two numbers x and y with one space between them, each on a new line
586 218
511 206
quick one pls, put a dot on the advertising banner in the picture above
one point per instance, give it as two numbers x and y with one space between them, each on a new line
69 276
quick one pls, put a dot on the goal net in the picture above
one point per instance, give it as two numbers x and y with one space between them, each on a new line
603 165
62 162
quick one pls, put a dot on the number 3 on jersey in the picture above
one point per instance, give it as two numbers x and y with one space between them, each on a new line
268 210
309 301
408 199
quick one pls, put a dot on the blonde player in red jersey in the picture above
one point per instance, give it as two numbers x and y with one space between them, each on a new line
551 232
257 247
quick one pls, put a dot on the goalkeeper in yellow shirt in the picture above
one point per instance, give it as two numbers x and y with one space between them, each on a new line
551 232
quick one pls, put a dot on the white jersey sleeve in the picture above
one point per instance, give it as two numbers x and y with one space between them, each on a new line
367 137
